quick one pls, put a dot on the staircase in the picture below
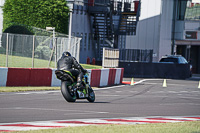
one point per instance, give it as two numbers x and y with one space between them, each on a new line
128 19
127 24
102 26
102 23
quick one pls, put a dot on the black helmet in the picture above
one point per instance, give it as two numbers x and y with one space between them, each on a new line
66 54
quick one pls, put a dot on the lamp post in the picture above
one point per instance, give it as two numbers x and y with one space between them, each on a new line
54 44
70 27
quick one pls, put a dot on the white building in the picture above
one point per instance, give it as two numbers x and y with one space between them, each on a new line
168 27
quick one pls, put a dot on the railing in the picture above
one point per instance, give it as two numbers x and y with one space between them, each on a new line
137 55
97 2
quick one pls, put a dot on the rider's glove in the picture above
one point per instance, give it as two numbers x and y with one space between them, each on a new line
84 71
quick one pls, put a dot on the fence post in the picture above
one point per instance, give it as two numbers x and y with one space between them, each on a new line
54 43
7 50
33 52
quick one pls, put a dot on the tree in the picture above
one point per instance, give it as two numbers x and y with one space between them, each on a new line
36 13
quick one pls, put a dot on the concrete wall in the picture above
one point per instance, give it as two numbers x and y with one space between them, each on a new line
165 28
183 26
47 77
192 26
179 26
154 28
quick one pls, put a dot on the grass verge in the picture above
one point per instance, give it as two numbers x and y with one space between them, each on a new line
21 89
26 62
180 127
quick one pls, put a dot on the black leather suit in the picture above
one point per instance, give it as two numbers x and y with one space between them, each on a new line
69 63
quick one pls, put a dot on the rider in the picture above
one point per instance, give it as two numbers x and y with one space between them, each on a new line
69 63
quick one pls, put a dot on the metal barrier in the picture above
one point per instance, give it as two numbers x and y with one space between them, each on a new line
136 55
110 58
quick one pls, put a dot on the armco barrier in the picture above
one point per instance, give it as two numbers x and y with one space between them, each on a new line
47 77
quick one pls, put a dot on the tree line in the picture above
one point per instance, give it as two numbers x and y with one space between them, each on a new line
18 14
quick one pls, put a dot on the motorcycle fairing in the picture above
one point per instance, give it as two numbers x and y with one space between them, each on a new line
65 75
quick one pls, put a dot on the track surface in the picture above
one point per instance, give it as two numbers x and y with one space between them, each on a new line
148 98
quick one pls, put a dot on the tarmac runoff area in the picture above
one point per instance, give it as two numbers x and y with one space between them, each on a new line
147 97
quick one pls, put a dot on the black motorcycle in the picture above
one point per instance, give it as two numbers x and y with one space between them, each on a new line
69 89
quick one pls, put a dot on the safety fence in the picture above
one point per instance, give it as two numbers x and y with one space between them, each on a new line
136 55
30 51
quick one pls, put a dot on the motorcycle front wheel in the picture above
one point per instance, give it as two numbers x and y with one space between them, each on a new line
91 97
67 93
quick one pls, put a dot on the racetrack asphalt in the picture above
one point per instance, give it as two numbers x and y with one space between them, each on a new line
147 98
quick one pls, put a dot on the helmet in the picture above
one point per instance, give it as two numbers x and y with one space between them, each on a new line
66 54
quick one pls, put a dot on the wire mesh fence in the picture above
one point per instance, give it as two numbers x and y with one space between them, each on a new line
30 51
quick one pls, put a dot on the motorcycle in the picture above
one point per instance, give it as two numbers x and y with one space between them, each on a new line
69 89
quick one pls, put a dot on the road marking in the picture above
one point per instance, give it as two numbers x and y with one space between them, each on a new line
108 95
106 88
37 92
196 104
37 125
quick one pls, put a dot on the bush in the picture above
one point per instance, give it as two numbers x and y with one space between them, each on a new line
36 13
43 52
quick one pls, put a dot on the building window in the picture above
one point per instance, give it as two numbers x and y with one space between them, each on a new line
190 35
81 42
81 8
89 41
77 9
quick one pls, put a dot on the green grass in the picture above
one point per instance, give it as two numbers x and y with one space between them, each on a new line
181 127
25 62
20 89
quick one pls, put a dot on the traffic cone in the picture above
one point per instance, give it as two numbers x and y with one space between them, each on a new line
164 83
199 85
132 81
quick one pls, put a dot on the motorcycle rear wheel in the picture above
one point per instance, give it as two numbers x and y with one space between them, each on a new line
67 94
